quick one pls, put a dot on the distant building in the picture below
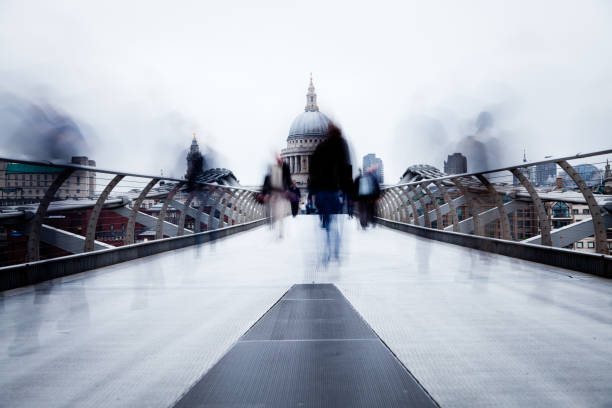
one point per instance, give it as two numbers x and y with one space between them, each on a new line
197 170
26 183
591 175
195 160
370 160
545 174
307 130
456 163
563 214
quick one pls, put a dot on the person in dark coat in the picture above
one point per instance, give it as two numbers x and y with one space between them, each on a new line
330 183
285 181
294 198
366 192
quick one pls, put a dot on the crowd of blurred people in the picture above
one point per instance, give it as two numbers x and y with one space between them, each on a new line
331 191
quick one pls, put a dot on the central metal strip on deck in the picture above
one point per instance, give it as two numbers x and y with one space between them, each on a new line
311 349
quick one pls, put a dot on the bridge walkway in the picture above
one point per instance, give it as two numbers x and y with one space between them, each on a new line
474 329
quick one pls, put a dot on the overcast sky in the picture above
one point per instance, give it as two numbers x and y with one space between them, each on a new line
404 79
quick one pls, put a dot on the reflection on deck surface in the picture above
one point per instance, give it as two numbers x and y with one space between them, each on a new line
475 329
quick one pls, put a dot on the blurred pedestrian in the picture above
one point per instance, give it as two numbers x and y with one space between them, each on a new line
294 198
366 192
330 183
275 189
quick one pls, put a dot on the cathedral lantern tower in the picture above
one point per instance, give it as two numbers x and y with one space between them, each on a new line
307 130
195 160
311 98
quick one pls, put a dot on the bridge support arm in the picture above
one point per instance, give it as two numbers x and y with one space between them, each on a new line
388 205
190 211
467 226
229 209
535 198
503 217
250 210
203 199
599 225
415 213
238 205
426 220
217 206
159 227
571 233
384 205
68 241
451 205
436 206
33 249
397 205
405 201
186 205
150 222
129 234
472 206
95 213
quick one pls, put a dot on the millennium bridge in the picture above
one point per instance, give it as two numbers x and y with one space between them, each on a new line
441 304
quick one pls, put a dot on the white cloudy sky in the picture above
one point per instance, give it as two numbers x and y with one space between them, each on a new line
405 79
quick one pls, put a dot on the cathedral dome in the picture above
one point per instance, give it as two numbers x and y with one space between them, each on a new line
309 124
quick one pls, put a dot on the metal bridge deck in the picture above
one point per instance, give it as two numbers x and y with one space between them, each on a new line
474 329
310 350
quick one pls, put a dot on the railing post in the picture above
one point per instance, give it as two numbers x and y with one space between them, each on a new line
399 212
386 206
246 207
435 204
250 209
159 228
599 225
238 209
378 206
403 213
415 213
472 206
451 205
395 205
238 206
543 219
90 236
426 221
503 217
129 234
228 209
33 249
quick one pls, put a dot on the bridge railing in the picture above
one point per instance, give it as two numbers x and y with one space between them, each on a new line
505 202
110 205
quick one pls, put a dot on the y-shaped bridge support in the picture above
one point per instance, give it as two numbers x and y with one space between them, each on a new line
33 250
598 222
503 217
